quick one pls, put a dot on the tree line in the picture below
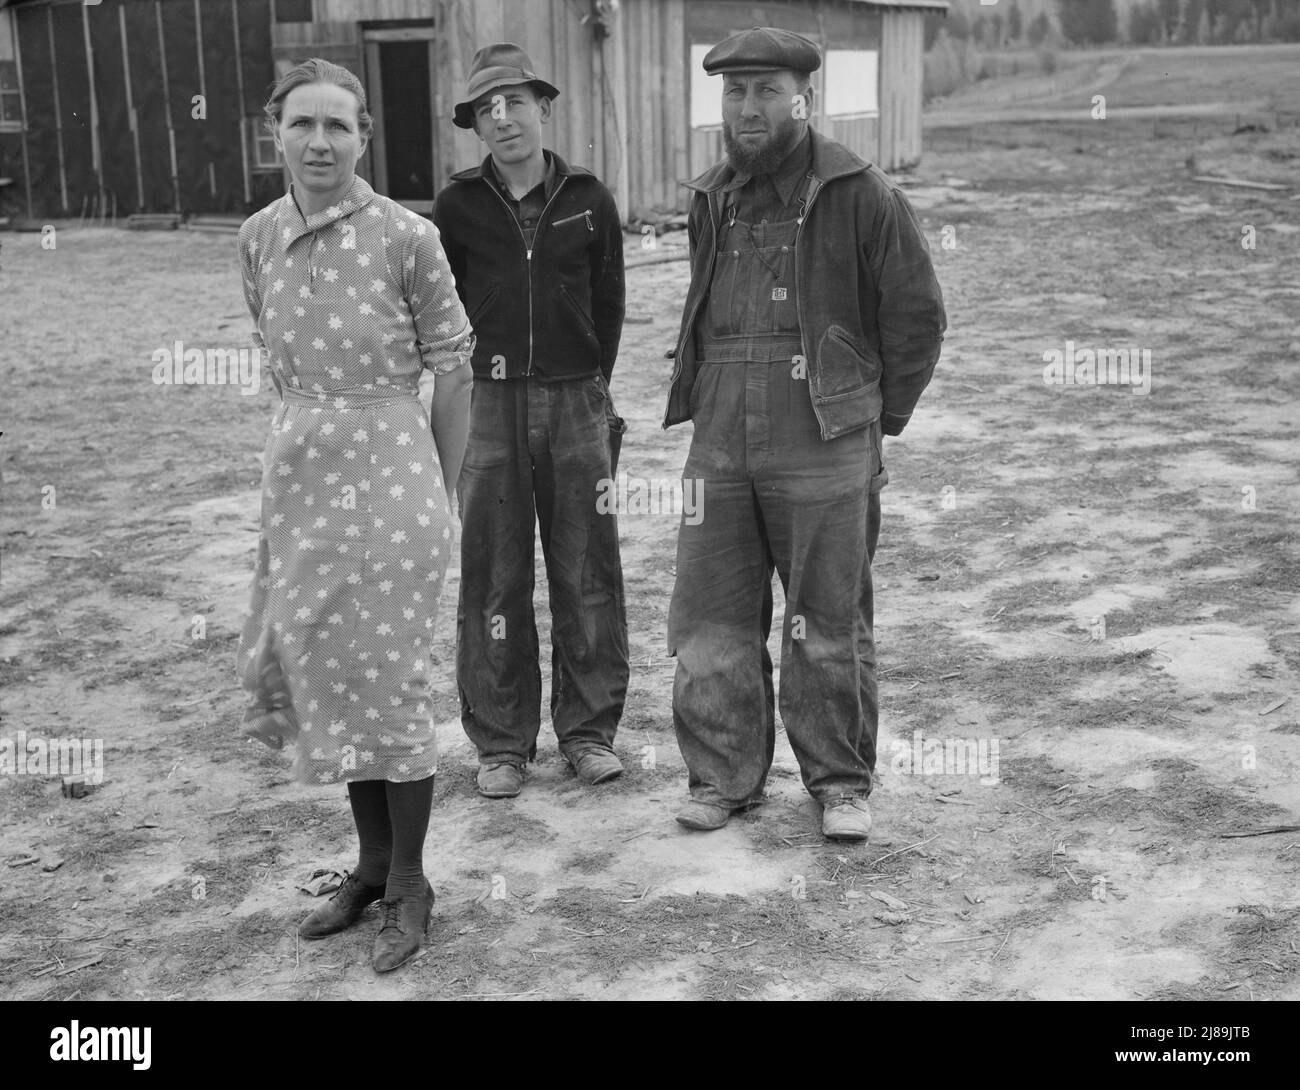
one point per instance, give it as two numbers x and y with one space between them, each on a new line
1145 22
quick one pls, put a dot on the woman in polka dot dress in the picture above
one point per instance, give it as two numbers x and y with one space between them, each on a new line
352 297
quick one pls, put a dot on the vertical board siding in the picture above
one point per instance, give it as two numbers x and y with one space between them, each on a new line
180 36
151 114
219 135
353 11
116 157
39 90
623 111
73 84
658 135
900 89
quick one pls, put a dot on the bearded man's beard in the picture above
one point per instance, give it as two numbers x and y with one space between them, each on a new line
766 159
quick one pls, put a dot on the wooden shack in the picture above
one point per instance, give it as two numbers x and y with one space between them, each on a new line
155 105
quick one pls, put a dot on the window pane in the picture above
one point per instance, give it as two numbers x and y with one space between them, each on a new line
266 153
706 91
851 82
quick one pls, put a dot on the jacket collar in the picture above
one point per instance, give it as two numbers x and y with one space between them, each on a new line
549 182
484 169
293 225
830 159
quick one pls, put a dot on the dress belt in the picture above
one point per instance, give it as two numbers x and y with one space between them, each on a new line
353 397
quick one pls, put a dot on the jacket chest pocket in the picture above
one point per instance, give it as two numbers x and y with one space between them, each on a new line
583 217
565 246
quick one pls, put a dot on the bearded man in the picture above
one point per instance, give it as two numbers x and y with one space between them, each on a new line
812 324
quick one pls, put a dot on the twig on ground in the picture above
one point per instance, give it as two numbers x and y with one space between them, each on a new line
1267 831
728 949
900 851
497 995
84 963
1033 811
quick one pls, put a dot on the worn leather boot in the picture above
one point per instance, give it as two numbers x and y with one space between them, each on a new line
846 818
405 921
500 781
341 911
593 766
703 816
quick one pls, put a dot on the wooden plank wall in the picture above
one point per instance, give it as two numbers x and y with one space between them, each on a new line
659 149
14 158
622 112
902 42
623 105
861 134
355 11
197 48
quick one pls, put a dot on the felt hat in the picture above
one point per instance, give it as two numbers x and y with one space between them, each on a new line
499 65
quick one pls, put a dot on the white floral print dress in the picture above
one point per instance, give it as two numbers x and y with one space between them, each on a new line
350 305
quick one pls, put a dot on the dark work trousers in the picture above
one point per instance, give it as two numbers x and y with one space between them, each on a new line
537 452
774 496
867 684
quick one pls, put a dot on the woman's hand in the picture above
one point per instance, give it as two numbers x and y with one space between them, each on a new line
449 418
272 728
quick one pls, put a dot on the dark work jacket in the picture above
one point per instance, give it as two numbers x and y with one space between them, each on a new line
555 311
871 314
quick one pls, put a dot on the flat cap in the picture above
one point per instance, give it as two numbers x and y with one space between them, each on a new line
763 47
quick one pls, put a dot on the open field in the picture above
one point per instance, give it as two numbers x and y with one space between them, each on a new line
1255 82
1101 582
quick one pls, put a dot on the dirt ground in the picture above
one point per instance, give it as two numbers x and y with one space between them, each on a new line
1097 864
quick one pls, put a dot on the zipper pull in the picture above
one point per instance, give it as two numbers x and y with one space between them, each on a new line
587 216
528 255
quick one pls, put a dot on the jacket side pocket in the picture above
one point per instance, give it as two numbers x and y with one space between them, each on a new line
588 326
841 368
484 304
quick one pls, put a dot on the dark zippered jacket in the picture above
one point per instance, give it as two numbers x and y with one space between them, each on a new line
871 314
556 310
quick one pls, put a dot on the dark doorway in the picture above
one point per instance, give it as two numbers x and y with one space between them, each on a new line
408 120
399 70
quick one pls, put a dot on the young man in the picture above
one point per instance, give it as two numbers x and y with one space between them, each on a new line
536 247
812 324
